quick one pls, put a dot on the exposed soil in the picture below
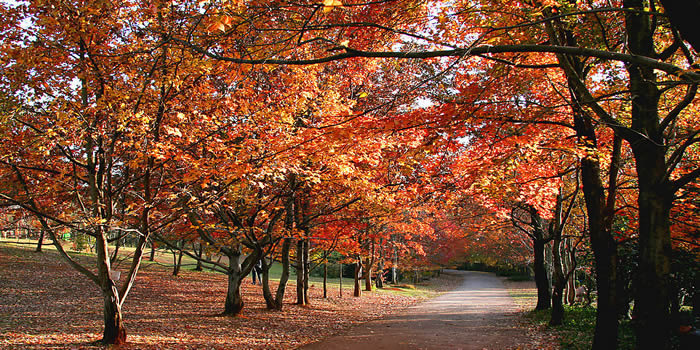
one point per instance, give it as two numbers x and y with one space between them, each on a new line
478 314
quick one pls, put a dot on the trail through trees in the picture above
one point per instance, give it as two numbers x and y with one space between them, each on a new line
479 314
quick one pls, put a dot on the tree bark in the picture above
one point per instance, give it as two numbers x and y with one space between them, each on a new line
541 280
300 272
557 316
307 267
655 190
265 281
198 253
114 331
234 301
368 274
325 280
358 271
279 295
41 241
380 273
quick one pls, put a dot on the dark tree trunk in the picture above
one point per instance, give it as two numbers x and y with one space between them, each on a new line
307 267
598 213
114 332
178 263
541 280
655 191
41 241
571 281
300 272
198 253
357 291
368 274
325 280
153 252
234 301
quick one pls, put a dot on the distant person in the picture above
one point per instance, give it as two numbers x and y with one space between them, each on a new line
257 272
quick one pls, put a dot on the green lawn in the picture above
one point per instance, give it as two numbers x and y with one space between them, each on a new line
164 257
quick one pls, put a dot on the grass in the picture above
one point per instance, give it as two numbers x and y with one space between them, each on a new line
578 328
163 258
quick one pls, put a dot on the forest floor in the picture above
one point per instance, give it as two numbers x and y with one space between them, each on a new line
45 304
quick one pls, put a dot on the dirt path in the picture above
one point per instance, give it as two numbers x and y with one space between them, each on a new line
479 314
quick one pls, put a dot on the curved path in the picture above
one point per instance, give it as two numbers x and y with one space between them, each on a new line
479 314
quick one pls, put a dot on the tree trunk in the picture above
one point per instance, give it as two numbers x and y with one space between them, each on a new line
655 192
325 280
541 280
234 301
153 251
41 241
178 264
599 219
394 266
300 272
571 282
279 296
358 271
265 281
198 253
557 316
114 332
368 274
380 274
307 266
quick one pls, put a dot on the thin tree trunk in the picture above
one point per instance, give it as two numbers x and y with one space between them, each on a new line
198 253
557 316
153 251
394 266
307 266
325 280
571 281
41 241
300 272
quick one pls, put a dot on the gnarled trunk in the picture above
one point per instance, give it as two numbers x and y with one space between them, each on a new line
114 331
234 301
